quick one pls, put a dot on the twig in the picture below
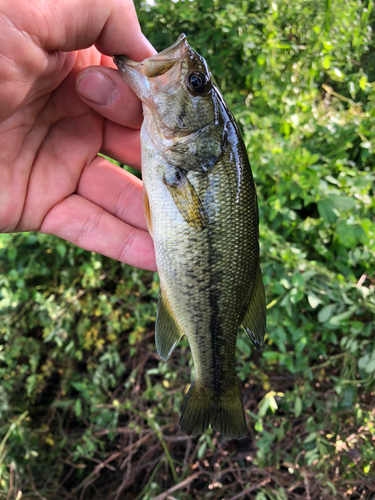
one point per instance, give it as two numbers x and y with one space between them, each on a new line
86 485
330 91
126 462
252 488
93 475
123 485
183 483
152 477
235 473
10 430
68 474
36 493
329 361
307 485
175 439
10 481
361 280
115 455
71 464
187 452
97 461
294 486
159 435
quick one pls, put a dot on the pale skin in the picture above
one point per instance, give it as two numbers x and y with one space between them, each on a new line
62 102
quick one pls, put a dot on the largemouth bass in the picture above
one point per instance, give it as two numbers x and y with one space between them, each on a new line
201 209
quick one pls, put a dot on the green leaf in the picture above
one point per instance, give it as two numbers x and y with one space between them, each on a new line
202 450
310 438
261 59
12 253
343 203
370 367
61 250
363 361
325 209
297 407
263 407
346 234
339 318
78 407
326 312
259 425
326 62
313 301
260 496
348 397
338 74
295 120
272 403
363 82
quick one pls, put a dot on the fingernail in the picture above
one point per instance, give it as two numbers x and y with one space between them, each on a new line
96 87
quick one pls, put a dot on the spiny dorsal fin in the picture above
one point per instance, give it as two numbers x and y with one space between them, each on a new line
167 331
147 211
185 197
254 321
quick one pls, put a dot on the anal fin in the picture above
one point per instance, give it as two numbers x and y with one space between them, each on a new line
254 321
167 331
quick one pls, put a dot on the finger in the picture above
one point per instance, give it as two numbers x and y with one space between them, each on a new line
105 91
37 42
135 44
90 227
115 190
122 144
70 144
112 25
108 62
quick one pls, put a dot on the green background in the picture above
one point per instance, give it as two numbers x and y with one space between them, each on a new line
89 411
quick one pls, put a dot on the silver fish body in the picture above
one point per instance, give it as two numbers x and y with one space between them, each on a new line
201 207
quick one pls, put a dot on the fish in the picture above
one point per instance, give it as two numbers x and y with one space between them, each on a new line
201 209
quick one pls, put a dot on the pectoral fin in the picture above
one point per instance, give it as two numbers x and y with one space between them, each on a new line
254 321
167 331
185 197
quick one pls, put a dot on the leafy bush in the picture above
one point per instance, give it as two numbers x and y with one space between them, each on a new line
88 410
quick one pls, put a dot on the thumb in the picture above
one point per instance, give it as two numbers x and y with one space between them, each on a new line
104 90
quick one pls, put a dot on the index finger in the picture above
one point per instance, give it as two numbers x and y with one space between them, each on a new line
72 25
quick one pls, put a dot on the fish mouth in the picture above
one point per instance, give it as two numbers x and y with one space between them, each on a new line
159 63
136 74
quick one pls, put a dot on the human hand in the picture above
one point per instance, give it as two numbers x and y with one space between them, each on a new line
51 177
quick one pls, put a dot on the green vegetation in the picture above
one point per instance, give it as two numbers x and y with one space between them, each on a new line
89 411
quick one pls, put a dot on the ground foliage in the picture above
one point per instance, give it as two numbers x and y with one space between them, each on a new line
89 411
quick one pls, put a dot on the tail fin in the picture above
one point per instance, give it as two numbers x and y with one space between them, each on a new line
224 411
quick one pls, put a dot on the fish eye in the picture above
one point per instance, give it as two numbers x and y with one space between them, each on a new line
197 82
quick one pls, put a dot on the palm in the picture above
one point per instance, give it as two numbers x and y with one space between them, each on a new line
56 183
69 135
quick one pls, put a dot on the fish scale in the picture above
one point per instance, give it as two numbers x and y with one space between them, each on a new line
201 209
